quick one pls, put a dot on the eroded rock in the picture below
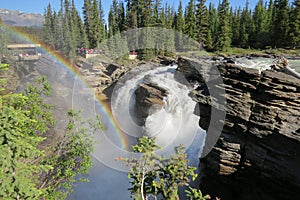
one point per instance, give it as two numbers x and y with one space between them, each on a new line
258 153
149 99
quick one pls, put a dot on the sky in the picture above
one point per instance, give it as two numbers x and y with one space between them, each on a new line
38 6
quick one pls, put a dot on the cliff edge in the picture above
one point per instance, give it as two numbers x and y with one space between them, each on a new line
257 155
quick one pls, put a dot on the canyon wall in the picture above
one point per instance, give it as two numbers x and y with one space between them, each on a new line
257 155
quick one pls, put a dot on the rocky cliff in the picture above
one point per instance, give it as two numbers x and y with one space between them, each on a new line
257 155
101 75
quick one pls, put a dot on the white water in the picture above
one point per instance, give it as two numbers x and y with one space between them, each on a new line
264 63
173 125
256 63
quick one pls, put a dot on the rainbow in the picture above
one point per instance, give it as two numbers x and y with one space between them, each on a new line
71 68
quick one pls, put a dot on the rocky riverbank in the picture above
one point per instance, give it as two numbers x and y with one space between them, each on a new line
258 153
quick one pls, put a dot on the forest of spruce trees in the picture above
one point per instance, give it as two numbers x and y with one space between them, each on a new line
271 24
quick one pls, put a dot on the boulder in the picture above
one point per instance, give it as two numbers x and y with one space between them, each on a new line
149 99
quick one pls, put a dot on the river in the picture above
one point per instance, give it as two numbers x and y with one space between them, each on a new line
174 124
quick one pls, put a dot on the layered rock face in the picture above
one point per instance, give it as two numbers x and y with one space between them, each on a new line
102 75
258 153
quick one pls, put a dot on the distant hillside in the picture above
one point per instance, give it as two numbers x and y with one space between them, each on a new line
17 18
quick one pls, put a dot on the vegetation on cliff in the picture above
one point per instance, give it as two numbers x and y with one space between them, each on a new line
33 164
155 176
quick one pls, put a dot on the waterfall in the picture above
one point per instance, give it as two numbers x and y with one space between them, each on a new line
172 125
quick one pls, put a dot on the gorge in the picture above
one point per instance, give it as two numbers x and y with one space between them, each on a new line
257 154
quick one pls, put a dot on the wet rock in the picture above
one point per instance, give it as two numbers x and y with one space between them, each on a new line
149 99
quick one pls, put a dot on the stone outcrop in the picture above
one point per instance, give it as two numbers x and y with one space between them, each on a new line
101 75
258 153
149 99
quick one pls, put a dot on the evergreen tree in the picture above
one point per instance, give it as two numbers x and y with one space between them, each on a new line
223 39
121 17
113 18
179 21
68 31
236 23
201 23
245 28
87 17
131 14
95 26
49 36
157 9
280 23
213 27
147 38
270 18
57 30
260 32
154 176
30 169
117 46
75 25
169 35
103 33
295 24
112 24
179 27
190 20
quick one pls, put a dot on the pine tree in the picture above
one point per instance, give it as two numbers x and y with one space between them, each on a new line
57 30
87 17
270 18
179 21
169 36
153 176
245 28
121 17
49 36
223 40
147 38
236 23
201 23
157 9
114 9
68 31
95 22
260 32
213 27
179 27
295 24
280 23
102 30
190 20
131 14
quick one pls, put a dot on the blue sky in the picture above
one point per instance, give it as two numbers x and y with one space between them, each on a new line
38 6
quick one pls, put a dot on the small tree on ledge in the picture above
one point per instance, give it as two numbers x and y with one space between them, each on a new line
158 177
